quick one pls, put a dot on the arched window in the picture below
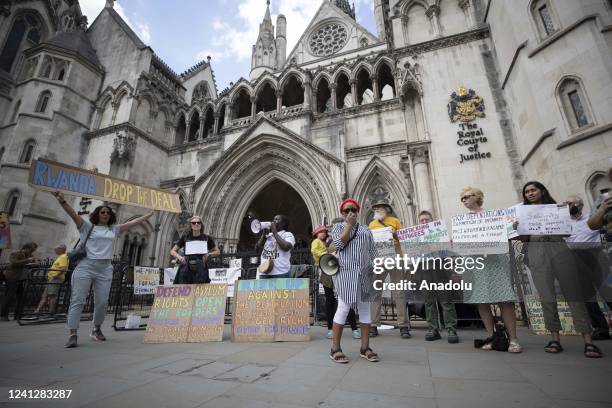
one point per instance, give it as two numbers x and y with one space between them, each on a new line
416 24
343 92
60 71
2 152
221 118
181 128
28 151
386 82
194 126
12 203
293 94
47 67
242 104
25 32
43 101
365 94
544 18
27 71
266 99
209 122
324 102
574 104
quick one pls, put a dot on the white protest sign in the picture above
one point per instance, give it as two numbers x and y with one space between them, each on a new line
196 247
424 238
227 276
481 233
544 219
145 280
382 234
170 275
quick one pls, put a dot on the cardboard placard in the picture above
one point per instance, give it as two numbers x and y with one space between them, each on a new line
145 280
267 310
545 219
53 176
424 239
187 313
481 233
536 317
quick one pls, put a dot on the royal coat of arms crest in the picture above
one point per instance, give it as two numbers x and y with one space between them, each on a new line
465 105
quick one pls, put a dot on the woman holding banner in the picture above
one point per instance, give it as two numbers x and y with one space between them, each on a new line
491 285
97 235
550 259
193 268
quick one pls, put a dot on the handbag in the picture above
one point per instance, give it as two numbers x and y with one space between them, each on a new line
79 252
267 265
501 340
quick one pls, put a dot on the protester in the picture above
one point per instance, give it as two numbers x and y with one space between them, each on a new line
601 218
15 277
354 246
99 234
492 284
319 247
383 218
277 247
588 251
193 268
432 297
55 277
549 259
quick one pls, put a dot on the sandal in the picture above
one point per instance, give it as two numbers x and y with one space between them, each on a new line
592 351
514 347
487 344
369 355
338 356
553 347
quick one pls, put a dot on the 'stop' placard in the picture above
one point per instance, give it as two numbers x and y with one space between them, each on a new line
53 176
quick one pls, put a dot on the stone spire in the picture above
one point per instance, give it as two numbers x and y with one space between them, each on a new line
109 4
346 7
264 56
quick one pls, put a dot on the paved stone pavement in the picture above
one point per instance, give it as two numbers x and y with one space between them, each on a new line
124 372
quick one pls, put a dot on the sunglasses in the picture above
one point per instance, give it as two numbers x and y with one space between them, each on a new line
350 210
104 212
465 197
196 222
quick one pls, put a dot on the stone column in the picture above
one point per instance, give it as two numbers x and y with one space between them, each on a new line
201 129
253 106
229 113
307 96
216 125
314 101
353 83
467 10
375 88
279 101
332 87
432 13
187 127
420 161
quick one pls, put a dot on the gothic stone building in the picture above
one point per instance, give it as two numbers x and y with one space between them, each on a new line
447 93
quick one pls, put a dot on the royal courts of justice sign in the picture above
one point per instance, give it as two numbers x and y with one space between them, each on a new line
53 176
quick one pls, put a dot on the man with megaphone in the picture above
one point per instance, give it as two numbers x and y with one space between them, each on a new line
276 253
353 282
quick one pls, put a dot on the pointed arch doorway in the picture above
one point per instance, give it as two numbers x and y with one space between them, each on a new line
277 197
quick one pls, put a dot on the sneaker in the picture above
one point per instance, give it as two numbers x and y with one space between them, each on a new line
452 336
357 334
373 331
96 335
405 333
330 334
72 341
432 335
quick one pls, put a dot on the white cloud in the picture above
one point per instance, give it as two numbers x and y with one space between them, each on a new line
91 8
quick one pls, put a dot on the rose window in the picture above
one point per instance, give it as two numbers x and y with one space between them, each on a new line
328 39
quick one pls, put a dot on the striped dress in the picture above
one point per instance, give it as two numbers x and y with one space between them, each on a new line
354 277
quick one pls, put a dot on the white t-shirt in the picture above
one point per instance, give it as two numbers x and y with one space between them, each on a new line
282 261
582 236
100 242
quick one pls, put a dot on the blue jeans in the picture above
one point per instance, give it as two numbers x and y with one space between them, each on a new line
89 272
264 276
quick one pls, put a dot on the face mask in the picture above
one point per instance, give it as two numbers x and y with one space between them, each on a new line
574 210
379 215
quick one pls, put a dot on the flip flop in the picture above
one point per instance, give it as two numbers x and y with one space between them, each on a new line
553 347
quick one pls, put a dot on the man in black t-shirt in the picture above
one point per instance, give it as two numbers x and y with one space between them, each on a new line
193 269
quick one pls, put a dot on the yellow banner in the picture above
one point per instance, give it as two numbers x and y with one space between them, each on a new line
53 176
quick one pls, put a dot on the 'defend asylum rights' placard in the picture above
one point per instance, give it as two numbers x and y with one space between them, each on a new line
53 176
267 310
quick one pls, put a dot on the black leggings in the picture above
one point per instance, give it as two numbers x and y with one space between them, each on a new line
331 304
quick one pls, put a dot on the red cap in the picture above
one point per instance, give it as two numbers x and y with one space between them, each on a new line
318 229
349 201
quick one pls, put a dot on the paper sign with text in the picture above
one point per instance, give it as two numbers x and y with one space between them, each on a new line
227 276
481 233
145 280
424 238
545 219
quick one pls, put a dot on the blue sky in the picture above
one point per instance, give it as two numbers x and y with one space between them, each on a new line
183 32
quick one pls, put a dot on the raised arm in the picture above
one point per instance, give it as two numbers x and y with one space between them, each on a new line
596 220
69 210
126 226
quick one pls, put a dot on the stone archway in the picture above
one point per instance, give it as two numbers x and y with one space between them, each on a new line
277 197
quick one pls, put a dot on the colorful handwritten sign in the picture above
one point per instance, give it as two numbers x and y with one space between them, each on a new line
187 313
145 280
53 176
536 316
268 310
424 238
545 219
481 233
5 230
